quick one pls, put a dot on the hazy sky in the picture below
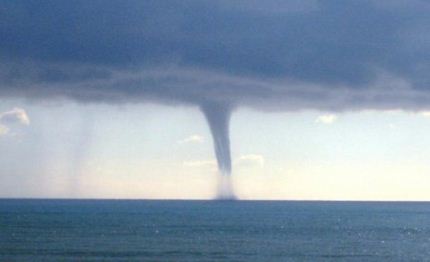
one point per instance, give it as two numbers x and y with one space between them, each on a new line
152 151
328 99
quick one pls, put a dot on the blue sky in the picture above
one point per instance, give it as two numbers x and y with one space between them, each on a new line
305 100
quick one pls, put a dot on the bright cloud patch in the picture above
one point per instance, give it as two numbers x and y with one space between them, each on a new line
200 163
250 160
326 119
3 130
192 139
11 121
15 116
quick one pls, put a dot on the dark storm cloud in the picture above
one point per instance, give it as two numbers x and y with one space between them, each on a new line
290 55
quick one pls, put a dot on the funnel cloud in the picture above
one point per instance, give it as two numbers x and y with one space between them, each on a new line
218 118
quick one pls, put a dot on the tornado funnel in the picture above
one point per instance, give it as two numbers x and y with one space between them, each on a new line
218 118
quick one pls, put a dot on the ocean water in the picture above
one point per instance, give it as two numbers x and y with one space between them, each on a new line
128 230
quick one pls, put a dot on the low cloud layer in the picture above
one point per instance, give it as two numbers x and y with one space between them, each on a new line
276 55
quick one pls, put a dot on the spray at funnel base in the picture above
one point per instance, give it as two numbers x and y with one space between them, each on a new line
218 118
225 189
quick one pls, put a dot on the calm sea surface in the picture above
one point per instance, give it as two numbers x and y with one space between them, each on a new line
127 230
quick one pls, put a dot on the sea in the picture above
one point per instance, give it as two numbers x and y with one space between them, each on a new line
146 230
